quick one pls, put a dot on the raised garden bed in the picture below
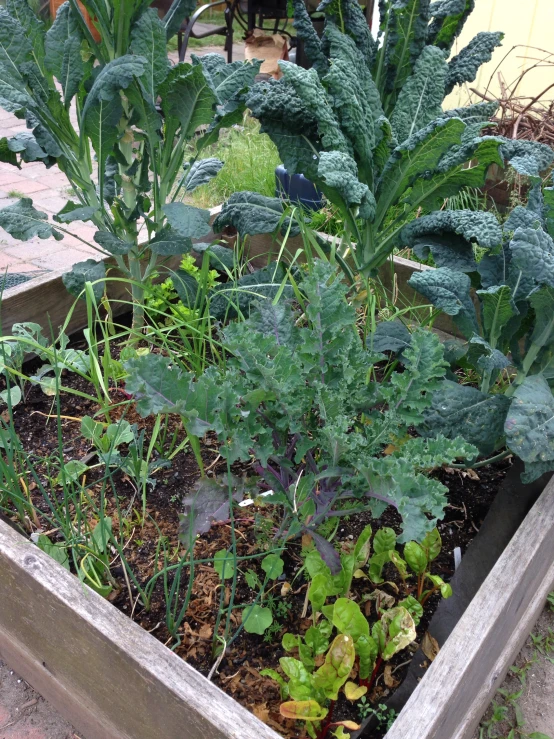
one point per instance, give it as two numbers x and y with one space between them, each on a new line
112 679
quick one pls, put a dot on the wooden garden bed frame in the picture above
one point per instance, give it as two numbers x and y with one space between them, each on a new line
113 680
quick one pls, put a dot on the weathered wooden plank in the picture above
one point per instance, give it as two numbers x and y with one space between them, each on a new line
455 692
105 674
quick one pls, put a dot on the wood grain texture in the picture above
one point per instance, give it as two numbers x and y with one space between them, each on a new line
456 690
105 674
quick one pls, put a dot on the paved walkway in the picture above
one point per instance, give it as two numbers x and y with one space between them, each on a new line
49 190
24 714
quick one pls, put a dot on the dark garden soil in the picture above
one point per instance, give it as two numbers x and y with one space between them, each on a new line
471 494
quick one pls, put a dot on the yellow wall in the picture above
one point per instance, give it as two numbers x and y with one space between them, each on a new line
525 23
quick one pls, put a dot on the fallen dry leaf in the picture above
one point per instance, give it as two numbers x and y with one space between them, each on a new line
205 632
429 646
390 682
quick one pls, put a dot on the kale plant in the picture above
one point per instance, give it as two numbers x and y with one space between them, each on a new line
504 307
366 123
135 114
299 396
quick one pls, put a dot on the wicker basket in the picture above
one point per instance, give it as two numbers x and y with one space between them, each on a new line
55 4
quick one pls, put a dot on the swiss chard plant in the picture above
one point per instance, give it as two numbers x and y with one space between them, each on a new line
298 394
503 306
366 123
115 116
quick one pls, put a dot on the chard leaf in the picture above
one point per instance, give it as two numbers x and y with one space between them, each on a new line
422 94
22 221
464 410
187 221
149 41
169 241
87 271
530 423
533 253
448 291
201 172
464 66
112 244
251 213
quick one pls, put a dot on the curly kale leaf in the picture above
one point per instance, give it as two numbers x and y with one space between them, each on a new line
448 291
424 366
465 65
449 17
422 94
392 480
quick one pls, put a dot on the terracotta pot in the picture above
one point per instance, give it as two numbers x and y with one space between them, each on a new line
55 4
